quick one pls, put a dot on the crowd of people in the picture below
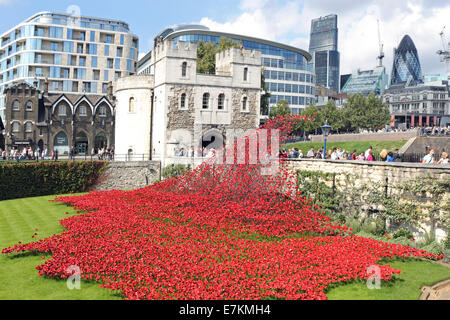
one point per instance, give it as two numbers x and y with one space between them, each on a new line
29 154
337 154
180 152
26 153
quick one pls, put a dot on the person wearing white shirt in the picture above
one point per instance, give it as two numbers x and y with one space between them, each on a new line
368 152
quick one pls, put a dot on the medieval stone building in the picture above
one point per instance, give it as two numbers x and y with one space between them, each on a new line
57 121
176 108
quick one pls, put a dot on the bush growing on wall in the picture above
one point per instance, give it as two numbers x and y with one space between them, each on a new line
23 180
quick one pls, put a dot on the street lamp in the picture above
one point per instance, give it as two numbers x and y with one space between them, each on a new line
325 132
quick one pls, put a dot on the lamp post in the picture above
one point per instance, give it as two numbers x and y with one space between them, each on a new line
325 132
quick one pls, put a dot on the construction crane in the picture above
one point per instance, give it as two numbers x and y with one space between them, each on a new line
445 54
381 56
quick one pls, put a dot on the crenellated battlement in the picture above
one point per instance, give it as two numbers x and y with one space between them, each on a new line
239 55
183 49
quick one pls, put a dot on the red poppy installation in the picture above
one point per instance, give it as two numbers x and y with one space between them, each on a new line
218 232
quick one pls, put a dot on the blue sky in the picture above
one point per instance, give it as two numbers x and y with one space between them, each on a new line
146 18
286 21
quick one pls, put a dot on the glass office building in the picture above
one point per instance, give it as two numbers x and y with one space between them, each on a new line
324 50
367 82
406 68
287 70
76 54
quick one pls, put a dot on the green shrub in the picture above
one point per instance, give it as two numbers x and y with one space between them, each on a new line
402 240
447 243
23 180
355 225
434 248
173 171
403 234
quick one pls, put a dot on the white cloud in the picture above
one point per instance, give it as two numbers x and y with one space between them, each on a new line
290 22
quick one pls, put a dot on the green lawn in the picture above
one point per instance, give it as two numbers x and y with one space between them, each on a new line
415 275
18 277
20 280
360 146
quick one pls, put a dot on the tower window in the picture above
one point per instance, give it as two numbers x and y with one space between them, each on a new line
206 101
131 106
221 102
183 101
245 74
184 69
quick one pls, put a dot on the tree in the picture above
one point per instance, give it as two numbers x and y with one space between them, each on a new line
366 113
206 57
355 111
206 54
332 115
379 115
264 97
282 109
316 123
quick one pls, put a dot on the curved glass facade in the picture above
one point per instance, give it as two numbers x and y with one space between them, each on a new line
406 68
288 73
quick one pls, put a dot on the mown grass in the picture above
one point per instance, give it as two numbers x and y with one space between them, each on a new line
19 278
407 286
359 146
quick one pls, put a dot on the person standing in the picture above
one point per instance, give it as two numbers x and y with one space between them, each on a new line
429 158
366 155
444 159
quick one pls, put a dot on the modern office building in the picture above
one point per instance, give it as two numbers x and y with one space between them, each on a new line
406 68
324 50
422 105
367 82
76 54
288 71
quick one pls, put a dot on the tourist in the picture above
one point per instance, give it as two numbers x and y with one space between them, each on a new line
361 157
340 154
36 154
390 157
319 154
397 156
370 157
354 155
383 155
429 158
295 154
310 153
444 159
191 152
366 154
334 155
300 154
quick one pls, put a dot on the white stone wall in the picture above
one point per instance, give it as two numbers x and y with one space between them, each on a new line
133 128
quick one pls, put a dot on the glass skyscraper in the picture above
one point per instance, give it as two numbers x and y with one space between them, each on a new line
406 68
75 54
324 50
287 70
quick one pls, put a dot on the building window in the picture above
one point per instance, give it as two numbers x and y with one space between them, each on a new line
29 106
102 112
28 127
206 101
15 105
244 104
183 101
15 127
221 102
184 69
131 106
62 111
245 74
83 111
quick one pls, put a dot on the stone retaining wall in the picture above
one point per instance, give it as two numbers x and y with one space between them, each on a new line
128 175
396 173
400 136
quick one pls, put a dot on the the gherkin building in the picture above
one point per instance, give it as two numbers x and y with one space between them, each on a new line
406 68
